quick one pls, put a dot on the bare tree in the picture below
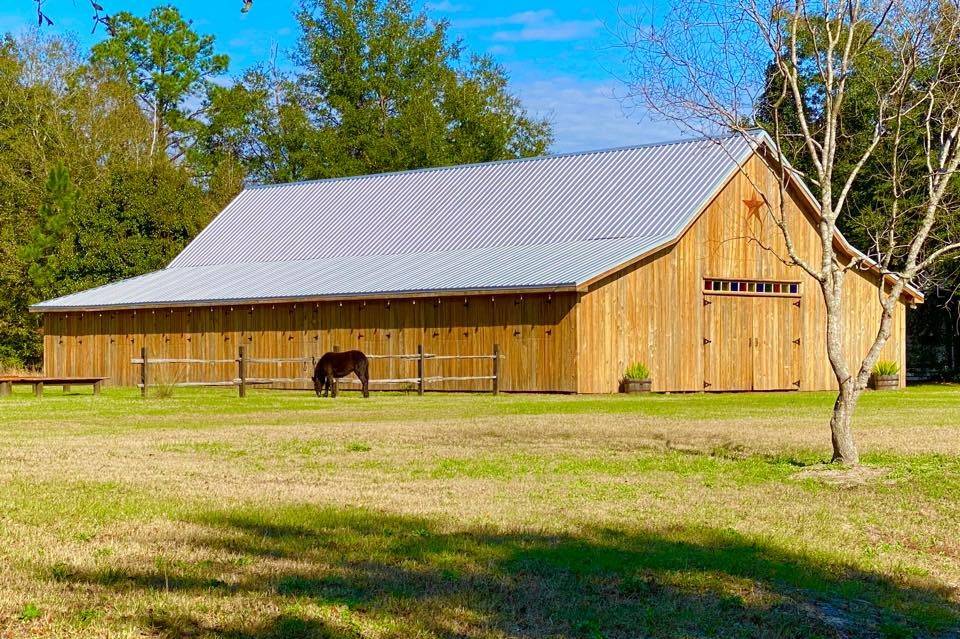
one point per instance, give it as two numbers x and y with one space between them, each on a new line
705 65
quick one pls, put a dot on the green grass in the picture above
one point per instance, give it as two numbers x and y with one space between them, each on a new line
282 515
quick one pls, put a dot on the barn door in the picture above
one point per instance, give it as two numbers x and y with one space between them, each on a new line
751 343
727 341
776 343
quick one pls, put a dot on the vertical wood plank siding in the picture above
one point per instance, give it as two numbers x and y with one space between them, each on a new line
536 334
653 311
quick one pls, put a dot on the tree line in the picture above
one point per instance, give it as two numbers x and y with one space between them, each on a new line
112 159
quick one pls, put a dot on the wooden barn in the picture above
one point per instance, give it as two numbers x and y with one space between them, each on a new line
575 265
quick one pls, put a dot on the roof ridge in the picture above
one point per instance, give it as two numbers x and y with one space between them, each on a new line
536 158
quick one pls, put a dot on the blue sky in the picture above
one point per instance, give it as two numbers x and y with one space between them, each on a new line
561 56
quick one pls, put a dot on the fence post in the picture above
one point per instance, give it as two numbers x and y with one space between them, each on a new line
242 371
143 371
496 369
420 368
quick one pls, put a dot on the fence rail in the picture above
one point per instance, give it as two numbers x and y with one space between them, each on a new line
243 379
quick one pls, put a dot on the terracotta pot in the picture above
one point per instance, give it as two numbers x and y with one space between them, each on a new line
885 382
636 385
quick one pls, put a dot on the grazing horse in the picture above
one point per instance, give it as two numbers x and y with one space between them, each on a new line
335 365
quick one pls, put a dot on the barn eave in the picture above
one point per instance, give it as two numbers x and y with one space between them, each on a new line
390 295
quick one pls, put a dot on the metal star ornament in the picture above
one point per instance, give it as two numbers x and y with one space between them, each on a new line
754 204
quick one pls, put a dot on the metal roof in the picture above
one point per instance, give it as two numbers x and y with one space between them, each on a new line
550 222
485 269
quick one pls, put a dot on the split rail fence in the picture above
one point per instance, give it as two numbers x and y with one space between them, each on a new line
244 362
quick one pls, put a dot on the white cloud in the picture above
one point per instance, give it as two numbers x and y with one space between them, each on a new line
587 115
520 18
541 25
445 6
550 31
501 50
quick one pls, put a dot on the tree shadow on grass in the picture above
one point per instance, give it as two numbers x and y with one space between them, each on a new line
413 577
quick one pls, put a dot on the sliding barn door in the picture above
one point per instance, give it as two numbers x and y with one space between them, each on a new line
751 343
728 332
776 343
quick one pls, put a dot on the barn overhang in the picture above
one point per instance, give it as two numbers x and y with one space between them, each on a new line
311 299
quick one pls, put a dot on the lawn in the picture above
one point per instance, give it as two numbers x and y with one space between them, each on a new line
282 515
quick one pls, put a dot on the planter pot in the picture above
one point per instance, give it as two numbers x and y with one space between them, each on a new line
636 386
885 382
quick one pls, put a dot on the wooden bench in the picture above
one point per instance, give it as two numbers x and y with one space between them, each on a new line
7 383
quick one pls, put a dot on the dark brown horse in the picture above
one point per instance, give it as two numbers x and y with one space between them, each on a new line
335 365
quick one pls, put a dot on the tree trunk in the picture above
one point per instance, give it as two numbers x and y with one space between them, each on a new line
841 431
844 449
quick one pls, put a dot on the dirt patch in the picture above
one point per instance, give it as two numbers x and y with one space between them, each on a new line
844 477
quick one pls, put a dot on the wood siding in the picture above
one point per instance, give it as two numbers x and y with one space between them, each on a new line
536 334
653 311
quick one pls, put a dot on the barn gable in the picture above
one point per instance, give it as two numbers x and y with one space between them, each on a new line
723 309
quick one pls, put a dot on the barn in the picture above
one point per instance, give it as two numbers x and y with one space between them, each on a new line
575 265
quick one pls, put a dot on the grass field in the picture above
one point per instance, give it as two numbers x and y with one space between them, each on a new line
453 516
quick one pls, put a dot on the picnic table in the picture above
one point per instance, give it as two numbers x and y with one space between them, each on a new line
7 383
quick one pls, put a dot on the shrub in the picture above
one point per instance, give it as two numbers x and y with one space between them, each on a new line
885 367
636 371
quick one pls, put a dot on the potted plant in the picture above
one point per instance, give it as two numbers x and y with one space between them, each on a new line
636 379
886 375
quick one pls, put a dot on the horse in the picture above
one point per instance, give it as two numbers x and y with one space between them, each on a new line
334 365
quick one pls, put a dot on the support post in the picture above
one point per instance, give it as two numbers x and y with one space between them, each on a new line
38 389
496 369
66 389
96 387
143 372
420 368
242 370
5 388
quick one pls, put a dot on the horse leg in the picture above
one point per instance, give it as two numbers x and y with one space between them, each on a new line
317 384
335 390
363 374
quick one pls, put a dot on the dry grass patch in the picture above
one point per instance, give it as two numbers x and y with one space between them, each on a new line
470 516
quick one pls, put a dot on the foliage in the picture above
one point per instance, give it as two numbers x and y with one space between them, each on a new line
110 163
377 87
885 367
82 199
636 371
169 66
872 215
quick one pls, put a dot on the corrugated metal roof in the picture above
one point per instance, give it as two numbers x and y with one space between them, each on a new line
554 221
630 192
541 266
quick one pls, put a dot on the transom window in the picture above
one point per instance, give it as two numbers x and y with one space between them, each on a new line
754 287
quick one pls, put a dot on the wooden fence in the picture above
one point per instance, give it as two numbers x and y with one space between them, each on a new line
243 362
